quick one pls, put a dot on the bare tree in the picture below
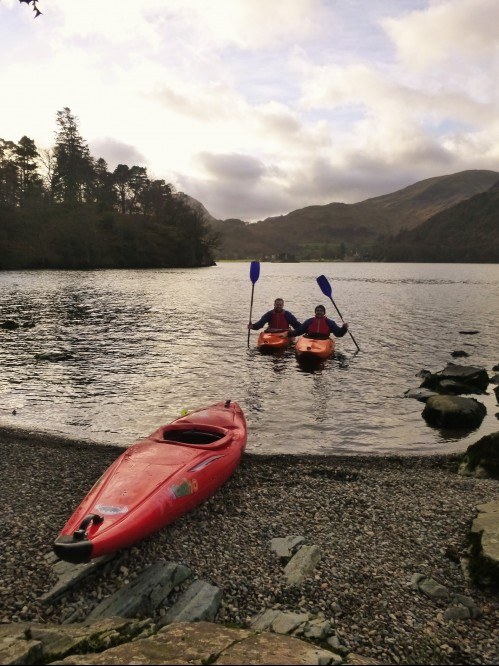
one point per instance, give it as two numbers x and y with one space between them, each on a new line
35 6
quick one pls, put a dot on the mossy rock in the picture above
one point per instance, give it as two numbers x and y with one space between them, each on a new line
482 458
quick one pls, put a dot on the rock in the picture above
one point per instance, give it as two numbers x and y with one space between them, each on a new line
207 643
54 356
302 564
9 324
482 458
430 587
69 575
17 645
469 603
471 378
354 658
144 594
286 622
286 546
446 411
459 352
483 564
46 643
263 621
457 613
275 649
201 601
420 394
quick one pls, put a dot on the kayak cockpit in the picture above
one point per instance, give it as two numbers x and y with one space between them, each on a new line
193 435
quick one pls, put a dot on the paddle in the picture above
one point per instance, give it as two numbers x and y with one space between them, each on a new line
254 275
323 283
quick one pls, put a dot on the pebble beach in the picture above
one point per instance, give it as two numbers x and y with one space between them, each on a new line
376 520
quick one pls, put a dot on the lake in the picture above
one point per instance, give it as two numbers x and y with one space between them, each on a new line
144 344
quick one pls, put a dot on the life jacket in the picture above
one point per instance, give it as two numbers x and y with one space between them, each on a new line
318 326
278 321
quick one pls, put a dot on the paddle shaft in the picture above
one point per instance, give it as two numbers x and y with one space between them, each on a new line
251 309
344 322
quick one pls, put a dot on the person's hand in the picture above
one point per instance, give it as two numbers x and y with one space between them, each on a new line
250 326
291 334
345 324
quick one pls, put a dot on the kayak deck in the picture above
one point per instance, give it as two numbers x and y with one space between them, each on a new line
310 348
273 340
155 481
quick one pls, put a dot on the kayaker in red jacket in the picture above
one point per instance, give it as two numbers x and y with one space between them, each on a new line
320 326
277 319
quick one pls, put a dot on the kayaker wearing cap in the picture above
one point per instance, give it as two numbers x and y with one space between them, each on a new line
320 326
277 319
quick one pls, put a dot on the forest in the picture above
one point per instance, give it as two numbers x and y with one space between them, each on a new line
62 208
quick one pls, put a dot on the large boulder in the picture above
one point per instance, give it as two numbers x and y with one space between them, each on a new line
482 458
456 378
484 545
451 411
105 642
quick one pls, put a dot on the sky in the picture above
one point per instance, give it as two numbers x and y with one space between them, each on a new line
260 107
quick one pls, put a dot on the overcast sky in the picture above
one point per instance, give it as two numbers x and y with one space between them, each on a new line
260 107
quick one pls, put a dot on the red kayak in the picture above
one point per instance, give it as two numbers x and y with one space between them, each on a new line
308 349
273 340
155 481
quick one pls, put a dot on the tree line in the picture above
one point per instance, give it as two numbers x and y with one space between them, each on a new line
59 185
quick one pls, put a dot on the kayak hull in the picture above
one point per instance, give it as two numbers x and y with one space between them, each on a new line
269 341
311 349
155 481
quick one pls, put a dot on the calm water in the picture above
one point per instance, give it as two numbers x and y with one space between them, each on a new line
146 344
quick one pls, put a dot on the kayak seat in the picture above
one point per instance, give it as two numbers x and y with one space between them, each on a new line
193 436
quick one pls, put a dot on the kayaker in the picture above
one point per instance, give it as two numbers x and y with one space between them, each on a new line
320 326
277 319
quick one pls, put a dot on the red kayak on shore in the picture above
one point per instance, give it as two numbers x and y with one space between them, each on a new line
155 481
309 349
273 340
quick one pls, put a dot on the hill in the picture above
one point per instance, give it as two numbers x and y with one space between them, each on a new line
360 230
467 232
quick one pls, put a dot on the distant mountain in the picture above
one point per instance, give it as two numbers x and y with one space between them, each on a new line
360 230
468 232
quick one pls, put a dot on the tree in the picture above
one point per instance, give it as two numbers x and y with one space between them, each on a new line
121 175
156 197
137 185
103 191
48 164
35 6
26 159
9 177
73 169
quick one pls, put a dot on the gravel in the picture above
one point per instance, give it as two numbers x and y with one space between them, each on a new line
377 521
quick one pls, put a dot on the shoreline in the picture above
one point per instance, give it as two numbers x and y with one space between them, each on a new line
51 439
377 520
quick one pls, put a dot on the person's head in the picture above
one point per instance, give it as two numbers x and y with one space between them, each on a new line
278 305
320 311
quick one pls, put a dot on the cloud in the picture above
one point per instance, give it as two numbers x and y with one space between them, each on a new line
116 152
239 168
448 32
259 108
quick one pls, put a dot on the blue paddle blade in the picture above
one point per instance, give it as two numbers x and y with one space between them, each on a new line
254 271
323 283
